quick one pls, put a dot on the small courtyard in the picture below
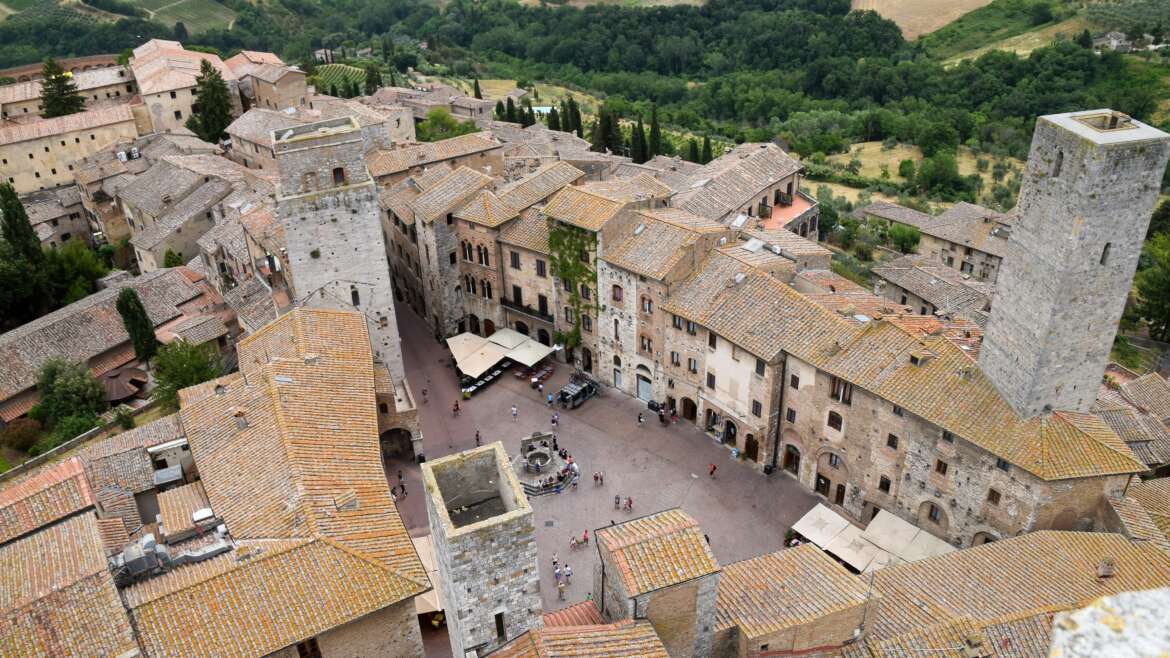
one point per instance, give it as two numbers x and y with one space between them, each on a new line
743 512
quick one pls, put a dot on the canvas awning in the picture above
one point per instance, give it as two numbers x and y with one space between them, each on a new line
431 601
888 540
529 352
465 344
482 360
509 338
475 355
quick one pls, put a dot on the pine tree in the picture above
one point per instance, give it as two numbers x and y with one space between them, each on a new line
137 324
373 79
510 112
554 119
16 229
707 157
213 104
58 93
181 32
478 93
596 141
654 146
692 150
1084 39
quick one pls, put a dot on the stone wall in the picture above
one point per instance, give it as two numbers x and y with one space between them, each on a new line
683 616
391 632
475 274
43 163
1084 206
532 286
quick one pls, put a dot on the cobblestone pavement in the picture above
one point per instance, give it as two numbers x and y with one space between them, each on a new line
743 512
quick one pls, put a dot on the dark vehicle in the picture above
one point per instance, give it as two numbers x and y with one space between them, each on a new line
575 393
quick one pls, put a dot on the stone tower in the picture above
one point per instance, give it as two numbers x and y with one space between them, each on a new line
1087 195
328 205
485 549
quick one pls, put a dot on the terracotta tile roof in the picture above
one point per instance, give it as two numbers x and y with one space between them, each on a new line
57 597
87 120
1141 524
582 208
965 224
657 551
900 214
256 125
252 304
942 286
26 91
87 328
637 188
624 639
772 592
540 184
161 66
1046 570
1151 393
486 209
790 243
1154 497
529 232
387 162
1148 438
197 204
175 507
851 303
756 311
735 178
113 534
449 193
260 598
119 467
53 493
657 241
581 614
157 188
827 280
200 329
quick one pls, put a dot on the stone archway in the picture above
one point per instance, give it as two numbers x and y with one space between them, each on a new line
397 443
473 323
751 448
982 538
521 328
586 359
730 432
689 409
489 328
933 518
792 459
542 337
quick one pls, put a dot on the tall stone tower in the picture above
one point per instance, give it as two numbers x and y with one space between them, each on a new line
485 549
328 205
1088 192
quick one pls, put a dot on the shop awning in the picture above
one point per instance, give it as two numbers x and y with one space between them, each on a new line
854 550
509 338
820 525
465 344
529 352
482 360
475 355
887 541
431 601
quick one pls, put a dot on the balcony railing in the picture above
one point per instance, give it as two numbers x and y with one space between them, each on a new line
525 309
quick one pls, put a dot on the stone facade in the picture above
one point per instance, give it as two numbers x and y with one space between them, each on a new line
528 271
479 264
1059 300
884 457
40 155
485 548
328 206
391 632
440 274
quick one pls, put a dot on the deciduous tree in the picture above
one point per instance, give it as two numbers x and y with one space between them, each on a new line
181 364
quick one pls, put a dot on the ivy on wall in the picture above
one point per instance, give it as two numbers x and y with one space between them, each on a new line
571 261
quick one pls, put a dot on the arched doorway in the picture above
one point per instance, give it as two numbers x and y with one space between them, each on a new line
473 323
932 518
586 359
521 328
751 448
729 432
792 459
542 337
689 409
617 371
397 444
489 328
644 383
982 538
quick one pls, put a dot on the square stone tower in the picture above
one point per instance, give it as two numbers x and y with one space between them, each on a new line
1088 192
485 549
328 205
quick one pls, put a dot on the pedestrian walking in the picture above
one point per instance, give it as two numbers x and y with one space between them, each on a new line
515 412
585 537
402 488
476 438
424 392
555 448
589 596
629 504
549 398
601 478
557 574
556 560
575 479
540 387
617 502
639 419
568 574
455 409
401 480
561 591
595 480
711 470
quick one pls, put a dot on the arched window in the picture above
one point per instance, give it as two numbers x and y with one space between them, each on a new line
617 293
467 251
647 305
617 360
615 328
835 420
487 289
354 296
471 285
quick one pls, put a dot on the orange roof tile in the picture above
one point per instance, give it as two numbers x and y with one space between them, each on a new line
658 551
624 639
53 493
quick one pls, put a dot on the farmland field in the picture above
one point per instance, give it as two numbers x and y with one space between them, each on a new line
337 74
872 158
1023 44
197 15
917 17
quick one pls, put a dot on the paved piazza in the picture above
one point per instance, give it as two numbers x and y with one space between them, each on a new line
743 512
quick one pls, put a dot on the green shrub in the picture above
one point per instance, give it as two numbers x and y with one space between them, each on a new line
66 429
125 418
21 434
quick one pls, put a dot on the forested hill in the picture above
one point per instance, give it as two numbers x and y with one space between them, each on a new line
810 71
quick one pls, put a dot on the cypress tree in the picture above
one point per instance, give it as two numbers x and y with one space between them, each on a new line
16 229
566 117
614 140
373 79
214 104
137 324
692 150
655 144
575 110
707 157
529 117
58 93
510 112
478 93
596 141
554 119
181 33
643 153
501 113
